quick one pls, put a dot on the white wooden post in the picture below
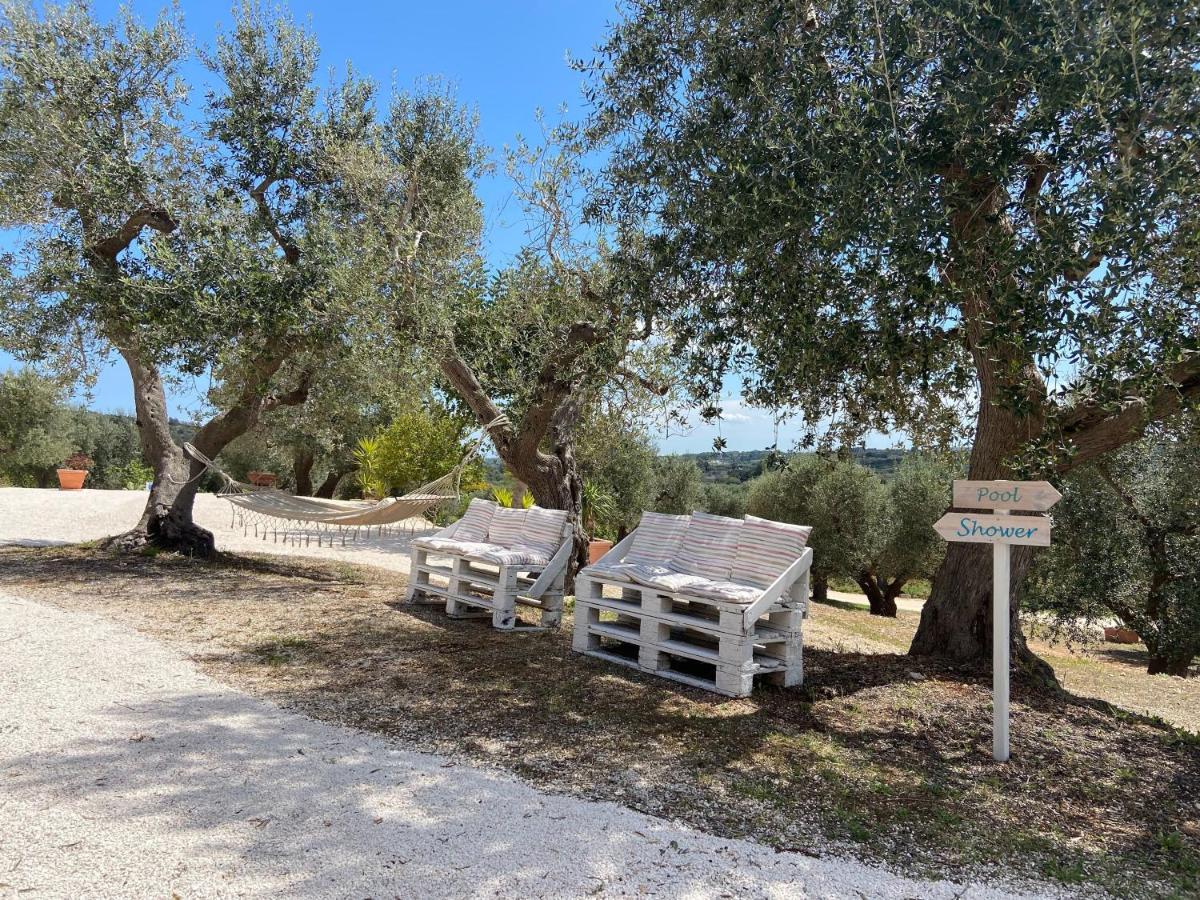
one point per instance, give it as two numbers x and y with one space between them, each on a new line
1001 556
1001 530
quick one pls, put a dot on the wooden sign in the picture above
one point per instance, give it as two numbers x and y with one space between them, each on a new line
1001 531
976 528
1028 496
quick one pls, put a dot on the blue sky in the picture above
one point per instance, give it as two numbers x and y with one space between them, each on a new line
507 58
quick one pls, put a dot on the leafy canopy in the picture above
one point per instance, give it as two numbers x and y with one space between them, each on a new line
864 206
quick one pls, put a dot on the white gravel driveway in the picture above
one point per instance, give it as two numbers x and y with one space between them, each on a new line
34 517
125 772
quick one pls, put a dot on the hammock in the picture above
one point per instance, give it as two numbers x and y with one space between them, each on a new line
258 505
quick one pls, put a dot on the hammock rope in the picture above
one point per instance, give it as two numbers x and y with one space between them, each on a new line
269 507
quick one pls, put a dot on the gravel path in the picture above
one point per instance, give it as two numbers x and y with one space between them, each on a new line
33 517
128 773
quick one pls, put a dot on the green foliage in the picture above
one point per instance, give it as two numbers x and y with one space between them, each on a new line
863 528
368 477
503 496
417 447
863 206
1127 544
726 499
618 460
917 495
678 489
35 428
135 474
599 511
112 443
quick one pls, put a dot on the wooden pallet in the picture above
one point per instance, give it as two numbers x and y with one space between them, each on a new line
701 642
474 590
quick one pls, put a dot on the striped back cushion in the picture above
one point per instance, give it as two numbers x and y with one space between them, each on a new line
506 526
766 549
709 546
543 531
657 538
473 526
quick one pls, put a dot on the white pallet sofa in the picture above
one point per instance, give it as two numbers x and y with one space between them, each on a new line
686 596
493 560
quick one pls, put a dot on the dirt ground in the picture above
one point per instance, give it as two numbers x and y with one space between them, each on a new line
882 754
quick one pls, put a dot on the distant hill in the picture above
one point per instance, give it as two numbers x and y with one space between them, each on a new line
733 466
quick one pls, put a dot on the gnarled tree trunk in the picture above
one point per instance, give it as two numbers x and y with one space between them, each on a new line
881 593
302 466
327 487
167 521
957 619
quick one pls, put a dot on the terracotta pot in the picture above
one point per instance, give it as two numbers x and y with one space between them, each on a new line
597 549
262 479
1120 635
71 479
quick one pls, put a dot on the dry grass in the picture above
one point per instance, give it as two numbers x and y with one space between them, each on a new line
885 754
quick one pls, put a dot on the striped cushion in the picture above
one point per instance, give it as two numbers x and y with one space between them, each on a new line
473 526
504 556
709 546
657 538
765 549
453 546
543 531
506 525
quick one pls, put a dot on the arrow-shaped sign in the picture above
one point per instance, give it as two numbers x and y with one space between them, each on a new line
975 528
1030 496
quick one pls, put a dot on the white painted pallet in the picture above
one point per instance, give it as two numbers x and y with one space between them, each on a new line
472 589
666 628
670 633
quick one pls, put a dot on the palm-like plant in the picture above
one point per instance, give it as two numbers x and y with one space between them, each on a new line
367 458
599 506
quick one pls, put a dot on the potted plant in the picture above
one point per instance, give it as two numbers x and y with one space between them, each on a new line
598 505
74 470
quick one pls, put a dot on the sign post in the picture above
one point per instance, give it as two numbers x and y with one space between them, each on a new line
1001 530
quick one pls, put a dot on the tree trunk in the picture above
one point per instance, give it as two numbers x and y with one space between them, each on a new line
957 620
820 588
555 483
881 596
166 522
1177 665
329 485
302 466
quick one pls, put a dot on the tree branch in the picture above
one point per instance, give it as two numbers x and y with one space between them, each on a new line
294 397
660 390
462 376
1094 429
259 194
146 217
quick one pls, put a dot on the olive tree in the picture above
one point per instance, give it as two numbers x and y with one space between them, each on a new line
1127 544
886 213
529 349
35 428
916 496
182 242
223 237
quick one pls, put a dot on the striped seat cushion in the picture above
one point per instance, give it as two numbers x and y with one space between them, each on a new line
765 549
709 546
453 546
543 530
506 556
473 526
506 526
657 538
